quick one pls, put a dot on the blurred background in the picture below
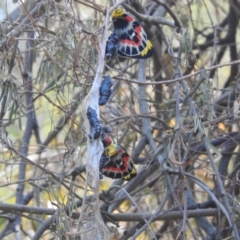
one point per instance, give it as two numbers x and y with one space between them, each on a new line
182 135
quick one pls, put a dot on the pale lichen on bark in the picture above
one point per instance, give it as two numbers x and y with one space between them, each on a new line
92 225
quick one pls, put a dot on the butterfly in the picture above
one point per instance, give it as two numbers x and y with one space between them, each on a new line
115 162
133 41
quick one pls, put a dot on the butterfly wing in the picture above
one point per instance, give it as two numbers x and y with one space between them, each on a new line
134 42
118 166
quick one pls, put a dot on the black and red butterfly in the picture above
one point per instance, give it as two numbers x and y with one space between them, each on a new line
133 41
115 162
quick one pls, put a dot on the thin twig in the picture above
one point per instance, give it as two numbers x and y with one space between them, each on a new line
180 78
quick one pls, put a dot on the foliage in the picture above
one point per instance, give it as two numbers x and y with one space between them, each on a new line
176 114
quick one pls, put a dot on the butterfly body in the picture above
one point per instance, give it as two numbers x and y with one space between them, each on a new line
121 24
